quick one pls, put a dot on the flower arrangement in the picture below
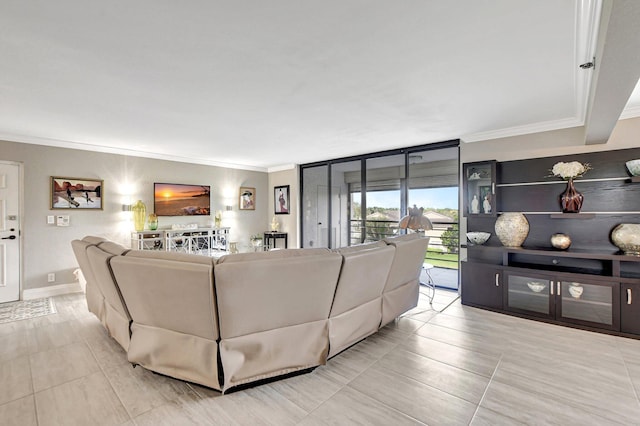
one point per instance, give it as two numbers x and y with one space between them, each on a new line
570 170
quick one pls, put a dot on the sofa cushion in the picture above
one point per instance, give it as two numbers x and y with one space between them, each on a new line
169 255
260 295
113 248
95 299
273 254
93 239
360 247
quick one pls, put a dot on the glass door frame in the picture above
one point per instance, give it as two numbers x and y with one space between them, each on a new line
404 187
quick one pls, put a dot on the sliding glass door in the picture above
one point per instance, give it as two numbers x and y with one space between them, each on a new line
355 200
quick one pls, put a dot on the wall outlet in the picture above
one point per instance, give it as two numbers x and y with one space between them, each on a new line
51 277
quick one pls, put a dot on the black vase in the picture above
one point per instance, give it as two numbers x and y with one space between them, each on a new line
571 199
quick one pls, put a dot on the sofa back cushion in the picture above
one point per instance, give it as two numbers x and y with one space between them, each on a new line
93 239
169 255
363 275
170 294
274 254
408 259
80 251
99 260
273 290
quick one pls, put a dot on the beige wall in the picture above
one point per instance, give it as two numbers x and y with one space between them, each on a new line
288 222
46 248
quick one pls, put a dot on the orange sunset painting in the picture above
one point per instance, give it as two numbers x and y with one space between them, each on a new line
172 199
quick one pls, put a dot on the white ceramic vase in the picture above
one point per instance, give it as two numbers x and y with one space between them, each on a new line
512 229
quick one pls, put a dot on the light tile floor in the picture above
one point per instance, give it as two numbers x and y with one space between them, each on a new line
461 366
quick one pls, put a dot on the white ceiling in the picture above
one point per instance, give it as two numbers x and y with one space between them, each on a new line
259 84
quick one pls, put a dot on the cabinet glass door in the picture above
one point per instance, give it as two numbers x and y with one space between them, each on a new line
589 304
530 294
479 189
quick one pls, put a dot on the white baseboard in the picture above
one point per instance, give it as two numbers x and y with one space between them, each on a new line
54 290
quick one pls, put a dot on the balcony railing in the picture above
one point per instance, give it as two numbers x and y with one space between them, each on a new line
440 253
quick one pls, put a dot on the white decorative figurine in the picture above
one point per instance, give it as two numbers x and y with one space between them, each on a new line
486 205
475 208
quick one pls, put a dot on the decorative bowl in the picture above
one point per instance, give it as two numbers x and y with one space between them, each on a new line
634 167
576 290
478 237
536 287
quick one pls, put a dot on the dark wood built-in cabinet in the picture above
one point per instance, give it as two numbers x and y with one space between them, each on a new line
592 284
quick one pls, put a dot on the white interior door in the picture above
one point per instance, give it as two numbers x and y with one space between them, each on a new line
9 232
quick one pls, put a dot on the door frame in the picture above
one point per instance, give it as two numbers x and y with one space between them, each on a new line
21 222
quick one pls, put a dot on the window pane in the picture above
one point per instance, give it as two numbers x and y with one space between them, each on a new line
383 204
315 207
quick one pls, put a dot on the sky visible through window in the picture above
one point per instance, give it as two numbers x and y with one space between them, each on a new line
429 198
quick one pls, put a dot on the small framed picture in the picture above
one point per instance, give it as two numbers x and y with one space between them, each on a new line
281 199
76 193
247 199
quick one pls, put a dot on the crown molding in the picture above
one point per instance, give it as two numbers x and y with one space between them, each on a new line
630 112
281 168
544 126
34 140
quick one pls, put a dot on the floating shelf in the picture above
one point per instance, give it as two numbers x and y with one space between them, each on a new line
572 216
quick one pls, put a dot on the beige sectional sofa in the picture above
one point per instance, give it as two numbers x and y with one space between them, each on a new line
247 317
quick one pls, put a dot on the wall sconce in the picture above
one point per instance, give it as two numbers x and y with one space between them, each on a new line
228 208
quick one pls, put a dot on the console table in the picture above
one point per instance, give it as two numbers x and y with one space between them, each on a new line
274 235
207 241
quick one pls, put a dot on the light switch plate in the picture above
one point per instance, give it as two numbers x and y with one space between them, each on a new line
51 220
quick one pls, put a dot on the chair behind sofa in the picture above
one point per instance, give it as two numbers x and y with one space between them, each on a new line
402 288
171 300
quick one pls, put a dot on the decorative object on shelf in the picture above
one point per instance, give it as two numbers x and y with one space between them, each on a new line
570 200
626 237
139 215
536 287
575 290
256 242
275 225
475 209
233 247
478 237
217 219
415 220
153 221
512 229
247 200
570 170
561 241
634 167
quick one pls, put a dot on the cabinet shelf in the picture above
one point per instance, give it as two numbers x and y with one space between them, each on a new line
572 215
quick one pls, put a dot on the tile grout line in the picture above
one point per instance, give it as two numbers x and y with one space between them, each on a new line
626 368
487 388
84 339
